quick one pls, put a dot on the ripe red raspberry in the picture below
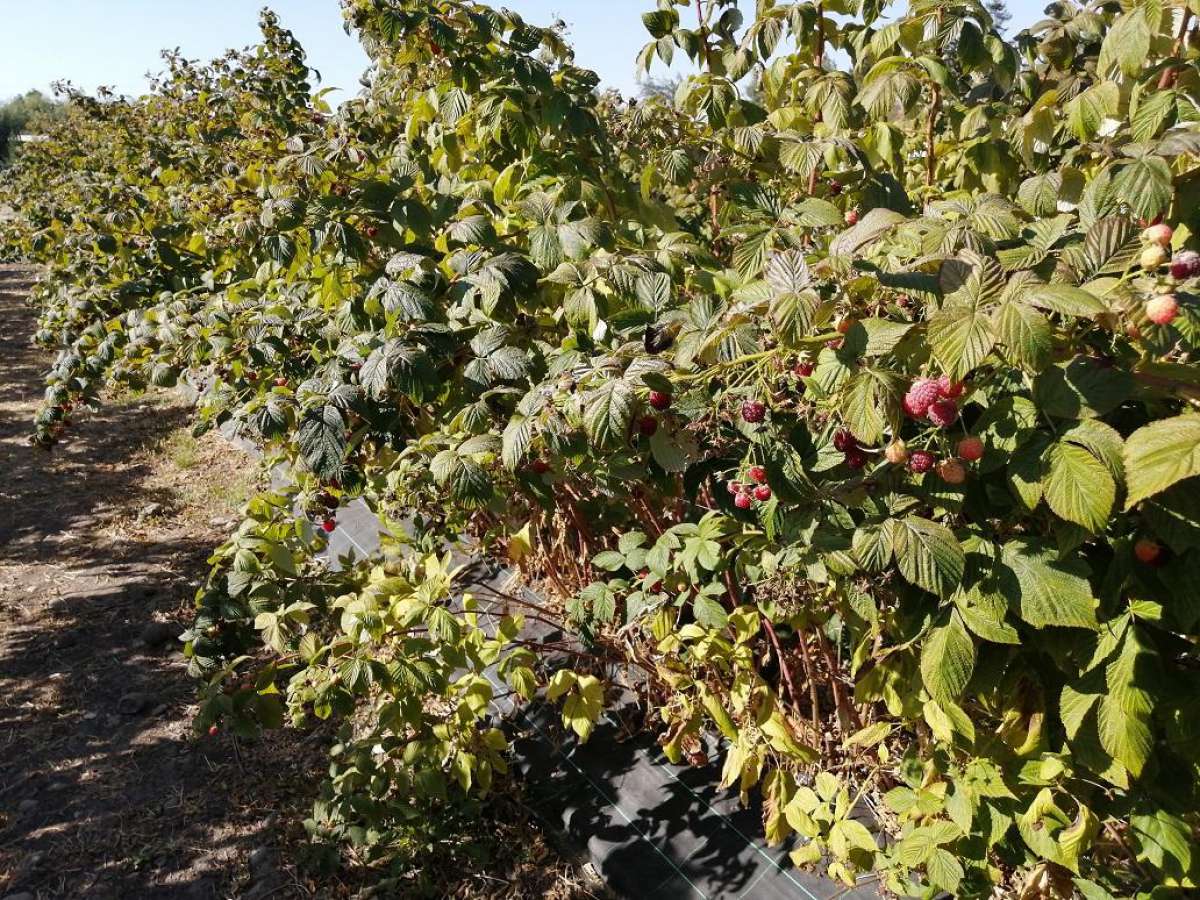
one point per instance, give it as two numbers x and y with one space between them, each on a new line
743 501
855 458
1163 309
844 441
921 395
835 187
734 487
952 471
754 411
281 382
971 449
951 389
540 466
328 525
921 461
943 413
372 231
647 426
804 369
762 492
757 474
660 400
213 730
1147 551
852 217
1186 264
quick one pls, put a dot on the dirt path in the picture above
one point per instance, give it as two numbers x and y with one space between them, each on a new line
104 790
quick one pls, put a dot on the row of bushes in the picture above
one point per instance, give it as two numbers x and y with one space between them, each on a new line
859 417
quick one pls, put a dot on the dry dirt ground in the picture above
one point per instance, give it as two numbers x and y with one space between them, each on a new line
105 791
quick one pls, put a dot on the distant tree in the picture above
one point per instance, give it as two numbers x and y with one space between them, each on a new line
22 114
1000 14
659 87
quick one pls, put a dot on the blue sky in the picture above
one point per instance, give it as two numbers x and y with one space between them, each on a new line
116 42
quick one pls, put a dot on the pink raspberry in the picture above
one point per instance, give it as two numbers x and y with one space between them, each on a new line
758 474
951 389
943 413
921 461
1163 309
923 393
762 492
743 501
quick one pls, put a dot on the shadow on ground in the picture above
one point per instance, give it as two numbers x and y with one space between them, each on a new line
104 790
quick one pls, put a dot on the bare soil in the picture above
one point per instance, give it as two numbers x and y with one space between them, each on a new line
105 789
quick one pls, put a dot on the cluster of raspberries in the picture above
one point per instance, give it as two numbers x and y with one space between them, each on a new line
744 494
935 399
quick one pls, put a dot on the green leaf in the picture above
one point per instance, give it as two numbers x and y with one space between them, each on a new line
868 397
1160 454
1152 112
928 555
322 439
961 333
1126 47
1175 515
709 612
787 272
1044 590
1027 469
673 452
1145 185
948 659
1163 840
984 614
1079 488
518 434
466 480
660 22
1064 299
872 546
944 870
1125 708
1026 334
609 411
1083 387
1087 111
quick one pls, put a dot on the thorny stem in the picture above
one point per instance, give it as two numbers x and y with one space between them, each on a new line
847 714
819 56
783 663
1168 75
935 106
814 697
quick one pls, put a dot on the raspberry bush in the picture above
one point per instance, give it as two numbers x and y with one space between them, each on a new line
848 398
